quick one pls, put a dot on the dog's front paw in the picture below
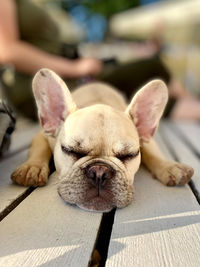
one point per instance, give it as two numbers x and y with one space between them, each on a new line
177 174
31 174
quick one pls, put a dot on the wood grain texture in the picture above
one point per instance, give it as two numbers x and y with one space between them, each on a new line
160 228
9 191
182 151
44 231
191 131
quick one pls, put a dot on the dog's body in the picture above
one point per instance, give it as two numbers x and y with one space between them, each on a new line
97 142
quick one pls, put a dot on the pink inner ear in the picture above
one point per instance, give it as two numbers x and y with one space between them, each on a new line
147 107
52 110
49 91
145 121
146 113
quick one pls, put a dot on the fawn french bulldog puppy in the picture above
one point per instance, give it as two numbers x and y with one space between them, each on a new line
97 141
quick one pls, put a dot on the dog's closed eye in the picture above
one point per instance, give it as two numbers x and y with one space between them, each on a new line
72 152
125 157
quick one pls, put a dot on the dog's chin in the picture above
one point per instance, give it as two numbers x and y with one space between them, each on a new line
103 202
91 200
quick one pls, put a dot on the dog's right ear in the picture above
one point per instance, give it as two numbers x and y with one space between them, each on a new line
53 99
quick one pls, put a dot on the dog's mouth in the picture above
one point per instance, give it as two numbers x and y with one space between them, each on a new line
98 200
96 186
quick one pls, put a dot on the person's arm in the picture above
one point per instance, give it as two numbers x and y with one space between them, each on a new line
28 58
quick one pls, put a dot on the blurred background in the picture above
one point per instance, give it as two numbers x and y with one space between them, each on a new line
161 36
138 28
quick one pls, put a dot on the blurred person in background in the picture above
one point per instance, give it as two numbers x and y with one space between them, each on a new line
29 40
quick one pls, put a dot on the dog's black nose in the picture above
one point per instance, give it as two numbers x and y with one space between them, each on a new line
98 174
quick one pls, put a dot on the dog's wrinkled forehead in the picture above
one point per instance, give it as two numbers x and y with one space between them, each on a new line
99 126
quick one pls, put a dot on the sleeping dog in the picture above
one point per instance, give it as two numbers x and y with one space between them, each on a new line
98 142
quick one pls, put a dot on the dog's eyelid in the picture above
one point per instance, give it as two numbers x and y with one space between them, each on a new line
127 155
70 150
128 152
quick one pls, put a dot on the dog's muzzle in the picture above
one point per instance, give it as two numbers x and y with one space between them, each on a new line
96 185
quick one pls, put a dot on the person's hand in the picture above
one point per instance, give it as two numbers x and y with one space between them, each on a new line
88 66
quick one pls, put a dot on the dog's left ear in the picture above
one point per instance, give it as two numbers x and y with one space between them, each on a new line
53 99
146 108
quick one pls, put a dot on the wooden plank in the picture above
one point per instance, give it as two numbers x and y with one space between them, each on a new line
191 131
53 233
22 136
44 231
158 138
182 151
9 191
160 228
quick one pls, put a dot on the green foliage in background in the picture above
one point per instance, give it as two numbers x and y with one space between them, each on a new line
104 7
109 7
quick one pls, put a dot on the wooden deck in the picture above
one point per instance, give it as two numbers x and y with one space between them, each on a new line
160 228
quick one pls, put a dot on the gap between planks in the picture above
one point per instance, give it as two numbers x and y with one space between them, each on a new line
12 195
15 203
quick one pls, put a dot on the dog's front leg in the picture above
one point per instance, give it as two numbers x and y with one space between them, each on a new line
168 172
35 171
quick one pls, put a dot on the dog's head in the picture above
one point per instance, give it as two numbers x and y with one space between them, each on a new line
97 151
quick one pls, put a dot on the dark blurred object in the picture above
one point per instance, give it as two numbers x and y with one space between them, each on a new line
7 126
69 51
130 77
